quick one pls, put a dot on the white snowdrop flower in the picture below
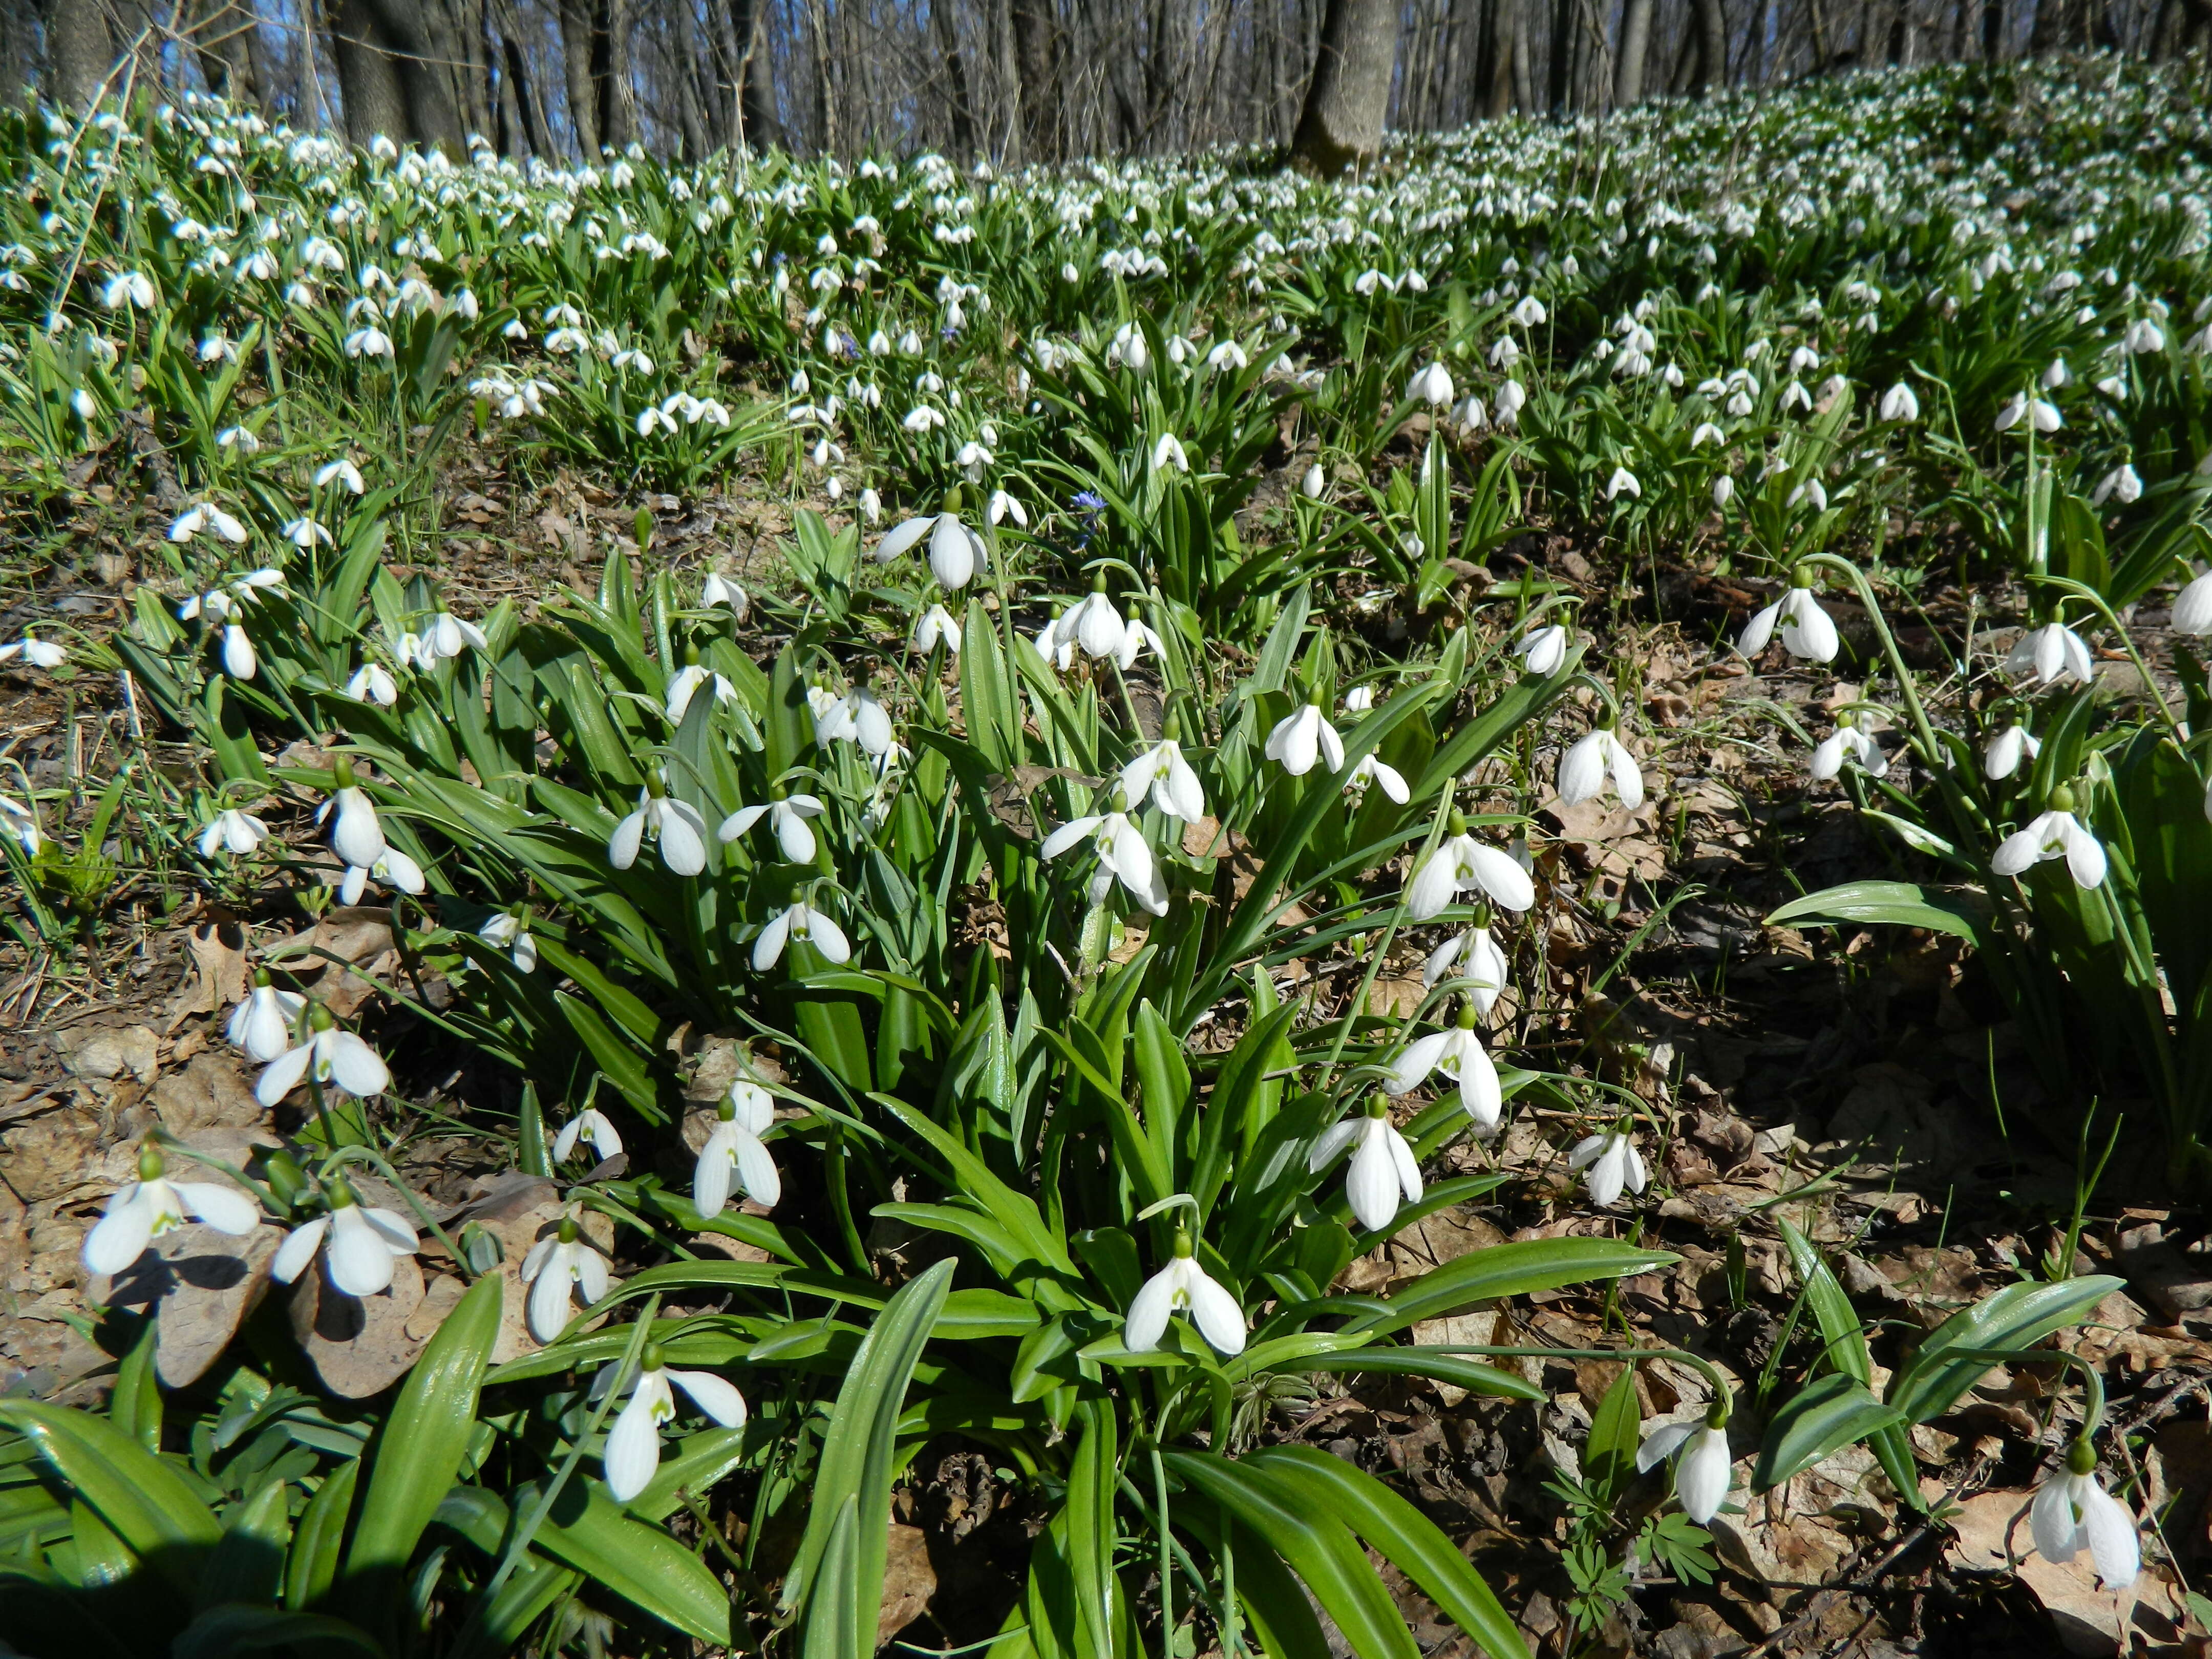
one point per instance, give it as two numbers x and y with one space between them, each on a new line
1124 855
2053 653
130 288
371 683
2143 337
238 659
2055 833
1613 1162
800 920
154 1204
1479 960
341 472
2005 751
1724 491
2041 416
2072 1511
356 836
633 1450
2057 375
1375 770
1161 775
261 1027
1313 483
205 515
1470 416
1505 352
507 931
449 636
606 1140
1703 1465
675 824
1228 355
1382 1170
559 1267
1137 637
1463 864
1303 736
231 437
1182 1286
1530 313
1899 405
1431 385
1622 479
1598 757
1812 492
2192 607
871 506
1512 398
687 682
330 1057
735 1151
1707 433
235 831
304 533
1168 451
39 653
955 552
787 821
391 867
21 825
1457 1051
1808 633
359 1242
1543 650
1359 699
371 341
2123 484
936 626
720 589
1848 742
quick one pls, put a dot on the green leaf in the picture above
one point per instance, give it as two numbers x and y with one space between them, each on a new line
1309 1535
1091 1535
2014 1318
1843 1338
1820 1419
1400 1533
1610 1459
833 1628
640 1563
418 1454
311 1567
144 1501
248 1562
1897 904
860 1451
237 1628
1503 1270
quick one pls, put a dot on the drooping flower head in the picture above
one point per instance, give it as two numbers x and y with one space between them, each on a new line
154 1204
1182 1286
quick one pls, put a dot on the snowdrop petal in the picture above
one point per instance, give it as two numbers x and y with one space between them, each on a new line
223 1208
298 1249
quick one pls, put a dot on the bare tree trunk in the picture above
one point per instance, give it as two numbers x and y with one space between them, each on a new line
960 114
1036 54
611 73
1524 57
1711 25
79 50
1635 43
576 64
1342 121
219 40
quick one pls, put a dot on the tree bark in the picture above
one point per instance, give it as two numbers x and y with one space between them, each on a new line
79 50
1711 68
392 85
221 41
1342 122
1036 61
1635 44
576 68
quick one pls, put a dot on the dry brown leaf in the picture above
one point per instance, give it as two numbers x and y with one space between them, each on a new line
359 1346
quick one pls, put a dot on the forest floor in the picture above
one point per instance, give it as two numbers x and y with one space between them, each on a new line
1864 1086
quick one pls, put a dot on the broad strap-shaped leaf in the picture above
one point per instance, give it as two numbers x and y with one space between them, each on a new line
1820 1419
1896 903
418 1453
1311 1537
640 1563
1503 1270
240 1627
859 1449
145 1502
2016 1318
1395 1529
